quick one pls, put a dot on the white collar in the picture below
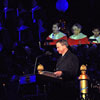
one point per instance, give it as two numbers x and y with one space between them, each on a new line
79 36
57 36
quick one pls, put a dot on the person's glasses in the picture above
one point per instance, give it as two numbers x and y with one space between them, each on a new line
74 29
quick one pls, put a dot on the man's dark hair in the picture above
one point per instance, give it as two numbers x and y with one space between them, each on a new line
63 42
97 27
77 25
58 24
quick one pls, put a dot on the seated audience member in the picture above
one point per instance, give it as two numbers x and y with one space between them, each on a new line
77 37
56 35
95 36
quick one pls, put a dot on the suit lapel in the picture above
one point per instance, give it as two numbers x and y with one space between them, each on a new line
61 60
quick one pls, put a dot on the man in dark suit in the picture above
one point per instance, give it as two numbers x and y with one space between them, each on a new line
67 68
68 64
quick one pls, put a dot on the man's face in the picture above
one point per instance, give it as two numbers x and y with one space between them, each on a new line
76 30
96 32
55 28
60 48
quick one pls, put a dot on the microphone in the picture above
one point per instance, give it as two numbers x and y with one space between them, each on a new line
46 53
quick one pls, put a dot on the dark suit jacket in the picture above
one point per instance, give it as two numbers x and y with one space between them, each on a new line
66 88
69 65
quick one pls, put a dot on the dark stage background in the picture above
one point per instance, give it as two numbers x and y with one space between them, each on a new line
25 23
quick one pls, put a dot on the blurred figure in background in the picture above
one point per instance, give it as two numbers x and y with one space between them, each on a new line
96 35
56 34
77 37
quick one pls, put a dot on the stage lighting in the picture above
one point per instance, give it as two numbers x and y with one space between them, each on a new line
62 5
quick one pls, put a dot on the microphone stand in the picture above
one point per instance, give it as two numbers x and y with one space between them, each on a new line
36 62
46 53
